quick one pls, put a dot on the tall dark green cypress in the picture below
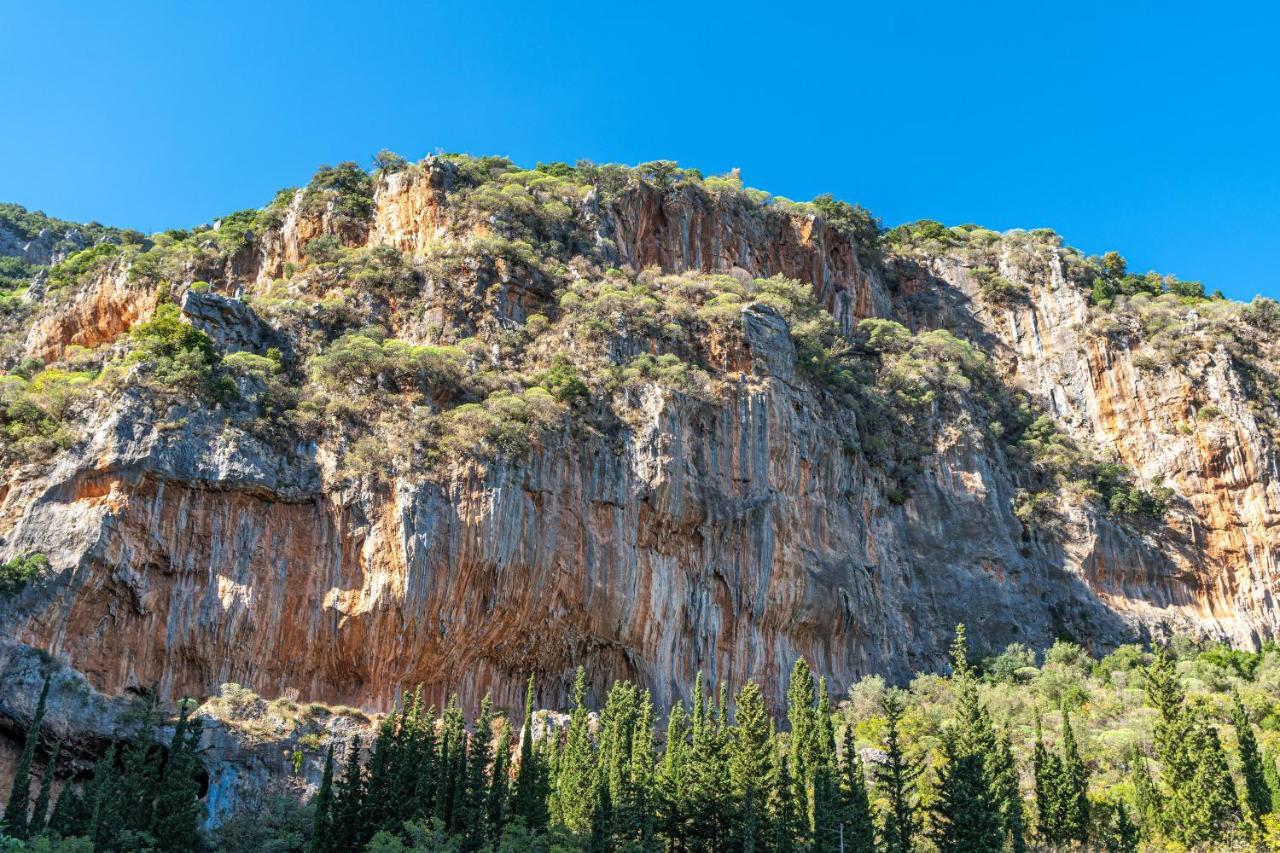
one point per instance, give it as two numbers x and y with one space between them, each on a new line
896 780
528 800
16 810
576 780
70 814
804 737
40 814
1199 804
348 830
475 800
1047 769
967 813
176 814
104 802
1257 795
322 822
826 780
1272 776
1004 773
672 782
750 770
859 827
499 806
1073 785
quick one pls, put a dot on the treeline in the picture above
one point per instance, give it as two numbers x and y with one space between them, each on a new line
723 775
141 797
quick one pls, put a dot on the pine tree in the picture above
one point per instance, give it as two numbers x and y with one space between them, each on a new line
322 826
19 804
347 829
750 769
1257 795
896 781
40 814
859 828
1073 786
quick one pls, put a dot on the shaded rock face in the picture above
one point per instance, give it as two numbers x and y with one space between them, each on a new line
728 535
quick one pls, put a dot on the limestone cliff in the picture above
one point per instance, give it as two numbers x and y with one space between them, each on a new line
709 500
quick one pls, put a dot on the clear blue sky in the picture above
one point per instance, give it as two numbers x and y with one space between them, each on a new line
1146 127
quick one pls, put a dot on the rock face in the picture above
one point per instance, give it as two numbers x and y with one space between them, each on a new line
726 534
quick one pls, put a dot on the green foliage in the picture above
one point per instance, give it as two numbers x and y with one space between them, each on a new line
174 355
347 186
997 289
37 415
16 573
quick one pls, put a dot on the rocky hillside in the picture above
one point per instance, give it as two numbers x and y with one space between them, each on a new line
454 422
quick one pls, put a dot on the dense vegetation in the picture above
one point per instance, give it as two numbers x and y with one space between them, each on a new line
1171 750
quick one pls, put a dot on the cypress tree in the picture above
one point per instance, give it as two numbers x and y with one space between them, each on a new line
1257 795
576 788
528 799
964 817
643 760
380 800
859 828
1073 784
1047 768
19 804
40 814
750 769
967 814
896 782
322 824
826 783
475 804
804 736
1199 805
672 779
500 784
1146 797
451 768
707 770
1123 837
139 782
347 829
176 816
104 802
790 829
1272 777
70 815
1004 773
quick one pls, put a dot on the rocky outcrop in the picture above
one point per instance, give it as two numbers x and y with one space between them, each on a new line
727 535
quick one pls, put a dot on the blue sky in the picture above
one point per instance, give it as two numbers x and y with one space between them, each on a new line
1150 128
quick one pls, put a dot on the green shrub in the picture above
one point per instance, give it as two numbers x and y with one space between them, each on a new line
15 574
562 380
346 184
175 355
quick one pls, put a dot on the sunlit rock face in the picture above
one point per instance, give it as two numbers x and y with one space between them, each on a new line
726 534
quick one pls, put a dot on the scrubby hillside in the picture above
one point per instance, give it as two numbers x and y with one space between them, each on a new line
453 422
